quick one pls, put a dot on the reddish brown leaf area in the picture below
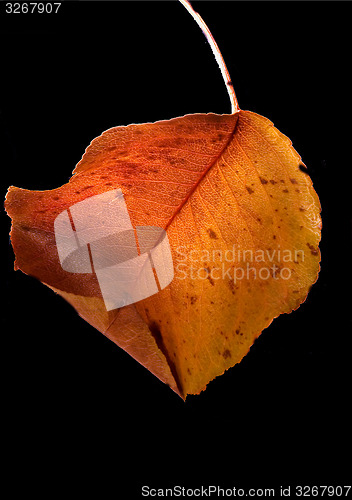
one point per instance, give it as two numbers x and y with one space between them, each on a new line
212 181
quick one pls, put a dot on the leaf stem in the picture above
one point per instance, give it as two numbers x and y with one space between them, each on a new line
217 54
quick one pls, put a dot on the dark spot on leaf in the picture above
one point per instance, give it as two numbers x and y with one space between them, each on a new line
272 181
226 354
263 181
194 299
250 190
285 190
312 249
211 281
56 198
212 234
301 209
231 285
294 181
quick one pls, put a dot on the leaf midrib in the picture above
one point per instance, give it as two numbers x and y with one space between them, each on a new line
203 175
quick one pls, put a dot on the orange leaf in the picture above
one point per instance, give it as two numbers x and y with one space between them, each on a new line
242 221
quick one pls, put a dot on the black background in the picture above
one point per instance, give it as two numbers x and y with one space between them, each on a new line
77 407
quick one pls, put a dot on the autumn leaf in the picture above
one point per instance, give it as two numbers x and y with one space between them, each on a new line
242 221
216 184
